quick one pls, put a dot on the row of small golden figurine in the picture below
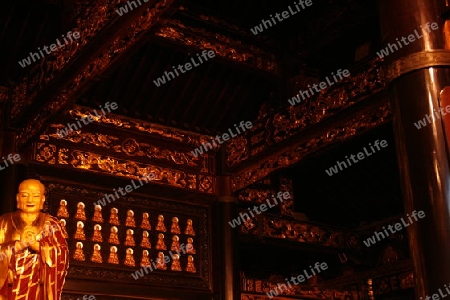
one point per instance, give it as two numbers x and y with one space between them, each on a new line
129 222
129 240
159 264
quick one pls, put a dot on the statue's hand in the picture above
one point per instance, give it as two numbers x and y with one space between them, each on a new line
29 238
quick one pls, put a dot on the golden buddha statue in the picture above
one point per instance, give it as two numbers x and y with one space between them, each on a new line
62 210
130 219
160 226
160 244
114 216
175 228
97 237
113 258
34 256
176 263
145 261
145 243
113 236
189 228
97 214
190 265
97 255
79 234
79 255
80 215
64 227
129 239
175 244
145 222
190 246
129 259
160 263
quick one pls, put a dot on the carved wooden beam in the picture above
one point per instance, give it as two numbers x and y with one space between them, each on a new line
105 38
231 49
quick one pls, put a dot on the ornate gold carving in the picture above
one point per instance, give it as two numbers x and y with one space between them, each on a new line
416 61
302 232
46 152
223 46
154 130
133 148
273 127
292 154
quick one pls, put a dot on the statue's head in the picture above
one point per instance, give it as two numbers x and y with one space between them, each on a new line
31 196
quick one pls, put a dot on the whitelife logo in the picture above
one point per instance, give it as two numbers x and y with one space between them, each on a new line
423 123
379 235
411 38
237 221
11 158
318 267
162 80
128 189
86 120
360 155
322 85
198 151
27 61
281 17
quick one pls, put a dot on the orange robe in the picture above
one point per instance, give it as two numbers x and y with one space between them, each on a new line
27 275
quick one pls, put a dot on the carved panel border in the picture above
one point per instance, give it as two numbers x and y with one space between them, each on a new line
152 129
272 127
224 46
367 120
138 147
55 155
300 232
201 279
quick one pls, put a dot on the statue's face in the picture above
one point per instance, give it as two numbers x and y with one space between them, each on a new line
30 198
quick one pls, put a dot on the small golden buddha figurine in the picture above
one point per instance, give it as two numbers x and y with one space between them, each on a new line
176 263
160 263
190 265
129 240
160 226
62 210
97 236
175 228
175 244
130 219
80 215
189 228
114 216
145 243
145 261
79 255
79 234
145 222
113 236
97 255
64 226
113 258
129 259
161 245
97 214
190 246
